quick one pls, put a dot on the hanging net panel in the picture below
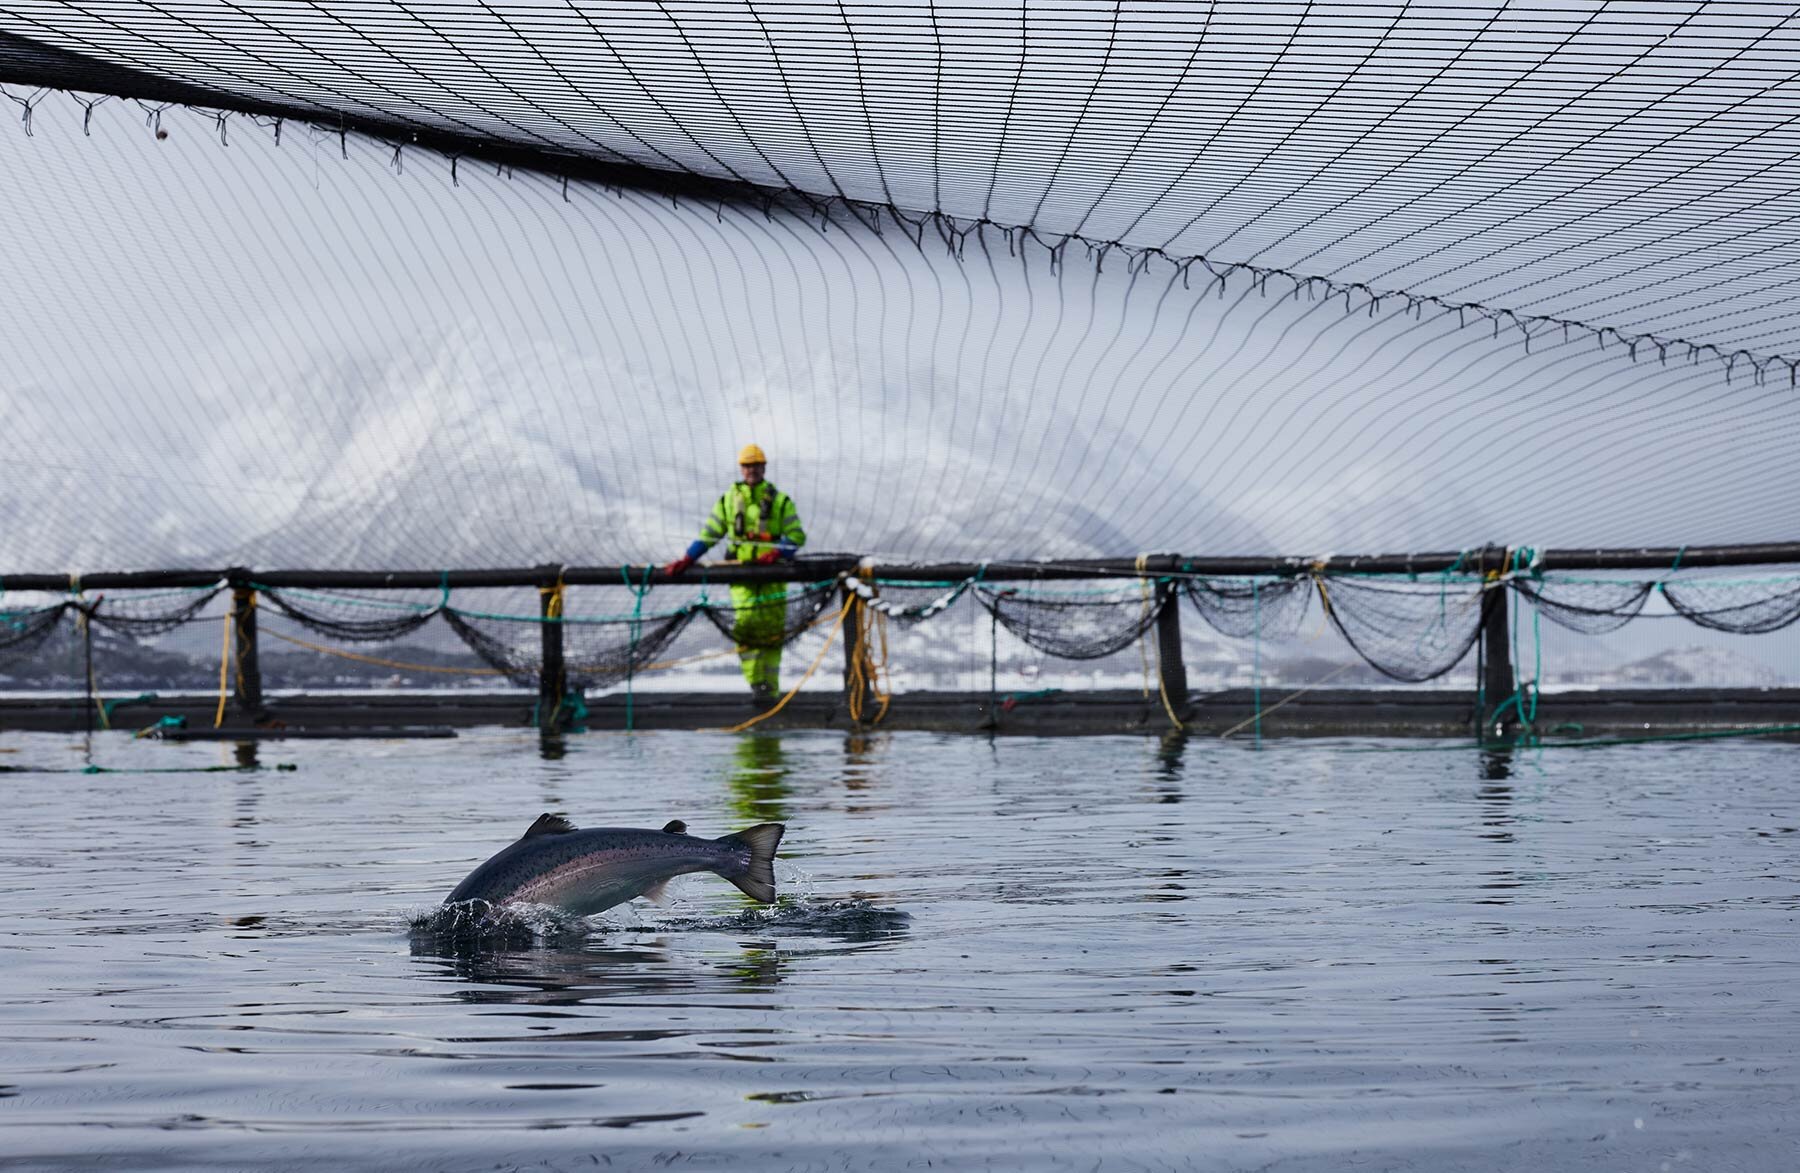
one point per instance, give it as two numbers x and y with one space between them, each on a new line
366 285
1074 624
1261 608
1592 607
1409 632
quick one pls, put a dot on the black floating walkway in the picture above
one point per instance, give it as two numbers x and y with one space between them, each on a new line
1318 713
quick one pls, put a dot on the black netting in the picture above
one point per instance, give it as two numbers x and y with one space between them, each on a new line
1271 608
597 653
352 618
151 613
1588 606
22 631
1745 607
1412 632
1075 626
768 617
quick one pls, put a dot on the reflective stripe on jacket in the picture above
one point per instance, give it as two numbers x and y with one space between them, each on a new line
744 511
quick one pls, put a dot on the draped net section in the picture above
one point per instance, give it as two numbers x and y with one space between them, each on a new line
597 652
24 629
1748 608
1592 607
769 617
1262 608
1075 624
353 618
1409 632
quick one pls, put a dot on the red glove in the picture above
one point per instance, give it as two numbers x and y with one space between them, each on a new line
678 567
769 556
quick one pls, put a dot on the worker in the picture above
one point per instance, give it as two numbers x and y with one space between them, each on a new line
759 524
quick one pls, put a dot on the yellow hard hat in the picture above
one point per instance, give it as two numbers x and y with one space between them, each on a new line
752 455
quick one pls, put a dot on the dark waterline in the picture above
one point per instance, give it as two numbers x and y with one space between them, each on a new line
1104 953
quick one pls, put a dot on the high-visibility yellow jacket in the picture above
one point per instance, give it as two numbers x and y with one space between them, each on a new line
754 520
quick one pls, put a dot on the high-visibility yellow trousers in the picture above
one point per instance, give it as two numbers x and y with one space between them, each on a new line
758 626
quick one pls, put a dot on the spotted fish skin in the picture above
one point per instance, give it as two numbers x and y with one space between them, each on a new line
582 872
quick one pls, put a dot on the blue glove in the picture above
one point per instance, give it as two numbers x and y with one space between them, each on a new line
695 549
786 549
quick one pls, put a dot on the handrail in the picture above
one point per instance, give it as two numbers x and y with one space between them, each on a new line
1475 560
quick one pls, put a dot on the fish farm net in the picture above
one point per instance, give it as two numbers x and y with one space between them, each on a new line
491 284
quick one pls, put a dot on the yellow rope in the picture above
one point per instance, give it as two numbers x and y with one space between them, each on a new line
817 660
865 671
224 667
1162 683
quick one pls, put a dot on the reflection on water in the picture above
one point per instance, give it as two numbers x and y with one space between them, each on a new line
580 972
1106 952
758 779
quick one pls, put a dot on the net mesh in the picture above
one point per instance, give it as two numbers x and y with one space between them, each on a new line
769 618
1084 625
1410 633
1590 607
1022 282
1747 608
1270 609
23 630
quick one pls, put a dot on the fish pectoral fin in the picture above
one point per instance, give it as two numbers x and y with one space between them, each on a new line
548 824
658 894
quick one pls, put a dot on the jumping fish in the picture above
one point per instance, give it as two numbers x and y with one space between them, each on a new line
584 872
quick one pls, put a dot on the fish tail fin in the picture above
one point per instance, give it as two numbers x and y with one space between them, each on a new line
757 881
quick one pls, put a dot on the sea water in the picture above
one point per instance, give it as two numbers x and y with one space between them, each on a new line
1100 953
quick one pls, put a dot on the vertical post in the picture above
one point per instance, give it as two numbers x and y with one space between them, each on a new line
852 636
1168 645
552 675
1496 639
248 693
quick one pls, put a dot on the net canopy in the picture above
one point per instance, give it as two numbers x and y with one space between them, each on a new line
365 284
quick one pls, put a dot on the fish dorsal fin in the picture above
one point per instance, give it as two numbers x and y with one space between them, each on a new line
548 825
675 827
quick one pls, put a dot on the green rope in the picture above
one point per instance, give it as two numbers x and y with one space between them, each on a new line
1538 743
637 630
108 706
1662 583
578 710
1256 662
